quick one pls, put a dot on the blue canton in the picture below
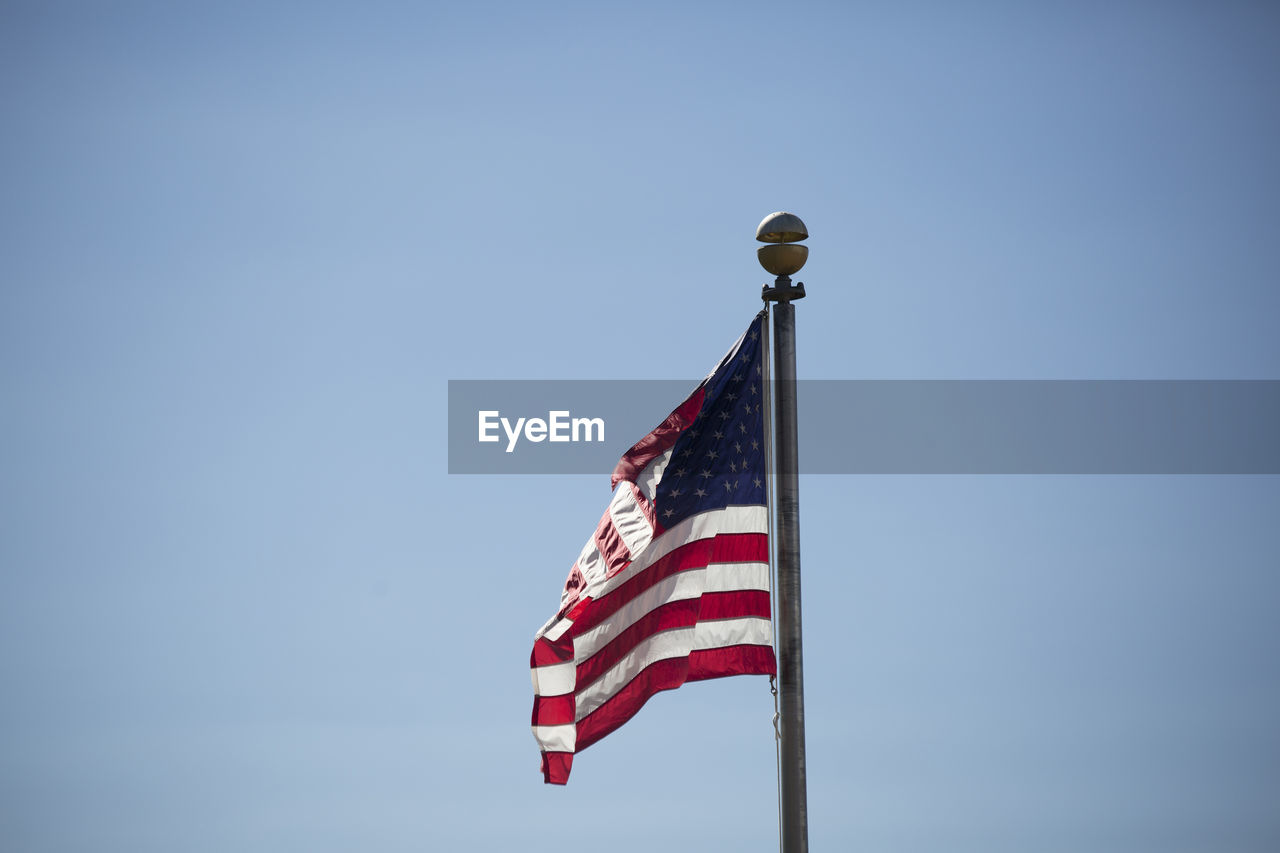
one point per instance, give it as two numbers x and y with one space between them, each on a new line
719 460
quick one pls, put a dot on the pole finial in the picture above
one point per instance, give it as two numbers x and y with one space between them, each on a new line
782 257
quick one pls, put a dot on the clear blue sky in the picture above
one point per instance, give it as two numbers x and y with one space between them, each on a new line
243 246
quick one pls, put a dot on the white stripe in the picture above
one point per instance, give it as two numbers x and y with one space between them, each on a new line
629 519
554 629
730 577
590 562
718 633
554 680
672 644
753 518
559 630
717 577
556 738
652 474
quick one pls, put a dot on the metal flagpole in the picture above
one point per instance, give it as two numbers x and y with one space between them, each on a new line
782 257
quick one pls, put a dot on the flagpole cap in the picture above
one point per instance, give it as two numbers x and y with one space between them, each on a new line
781 227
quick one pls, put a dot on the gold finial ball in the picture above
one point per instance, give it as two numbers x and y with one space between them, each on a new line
782 258
781 227
782 231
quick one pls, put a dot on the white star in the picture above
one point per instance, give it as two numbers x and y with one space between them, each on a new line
688 451
667 513
757 482
718 435
680 472
705 473
700 493
742 428
753 388
724 416
755 445
754 334
675 493
737 446
733 466
732 396
711 454
728 487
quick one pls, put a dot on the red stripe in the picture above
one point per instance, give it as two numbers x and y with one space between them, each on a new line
734 604
579 608
732 660
547 653
612 548
573 588
553 710
740 548
656 443
556 766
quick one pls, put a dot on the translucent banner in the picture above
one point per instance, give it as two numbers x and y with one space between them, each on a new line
894 427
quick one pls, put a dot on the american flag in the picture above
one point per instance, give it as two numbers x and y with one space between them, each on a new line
673 585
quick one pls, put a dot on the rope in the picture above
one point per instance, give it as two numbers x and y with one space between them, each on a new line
773 557
777 753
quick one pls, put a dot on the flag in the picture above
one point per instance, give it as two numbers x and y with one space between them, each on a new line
673 585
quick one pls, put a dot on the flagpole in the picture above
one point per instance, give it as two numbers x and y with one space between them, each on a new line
782 257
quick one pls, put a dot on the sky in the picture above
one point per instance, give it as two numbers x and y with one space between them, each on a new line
243 248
